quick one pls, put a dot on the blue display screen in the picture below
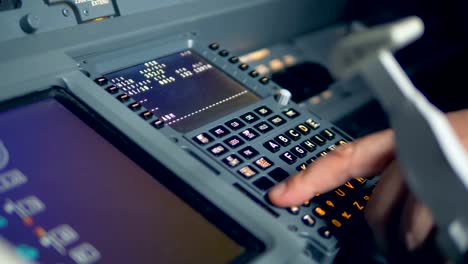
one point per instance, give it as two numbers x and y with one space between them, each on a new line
69 196
183 89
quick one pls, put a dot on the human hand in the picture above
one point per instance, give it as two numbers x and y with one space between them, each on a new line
366 157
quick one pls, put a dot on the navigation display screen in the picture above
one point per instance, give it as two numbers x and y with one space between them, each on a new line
183 89
69 196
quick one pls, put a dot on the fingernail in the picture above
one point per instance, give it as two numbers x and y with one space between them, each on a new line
278 190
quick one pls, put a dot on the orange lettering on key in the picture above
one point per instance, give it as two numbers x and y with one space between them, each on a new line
330 203
340 192
359 207
366 197
349 185
336 223
361 180
346 215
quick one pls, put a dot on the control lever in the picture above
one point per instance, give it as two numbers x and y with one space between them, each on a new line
283 97
431 156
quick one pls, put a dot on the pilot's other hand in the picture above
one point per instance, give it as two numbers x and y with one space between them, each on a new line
370 156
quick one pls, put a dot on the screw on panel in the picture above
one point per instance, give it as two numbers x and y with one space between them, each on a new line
65 12
86 12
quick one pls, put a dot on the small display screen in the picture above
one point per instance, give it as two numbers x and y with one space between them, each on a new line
183 89
70 196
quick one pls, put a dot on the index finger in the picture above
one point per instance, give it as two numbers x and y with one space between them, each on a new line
364 157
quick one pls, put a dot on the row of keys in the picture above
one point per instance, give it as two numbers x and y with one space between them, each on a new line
262 127
235 60
134 106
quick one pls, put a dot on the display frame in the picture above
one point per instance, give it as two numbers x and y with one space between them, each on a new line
252 246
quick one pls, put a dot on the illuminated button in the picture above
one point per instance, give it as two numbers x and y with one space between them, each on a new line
308 145
303 129
294 210
3 222
234 60
263 111
214 46
272 146
278 174
346 215
293 134
312 123
232 160
336 223
219 131
123 98
288 157
135 106
342 143
298 151
254 74
247 172
327 134
318 140
218 150
203 139
306 203
244 66
283 140
359 181
340 193
264 184
147 115
324 232
264 80
101 81
158 123
112 89
301 167
263 127
359 206
248 152
291 113
319 212
250 118
249 134
264 163
308 220
223 53
235 124
234 142
350 186
329 203
277 120
27 252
